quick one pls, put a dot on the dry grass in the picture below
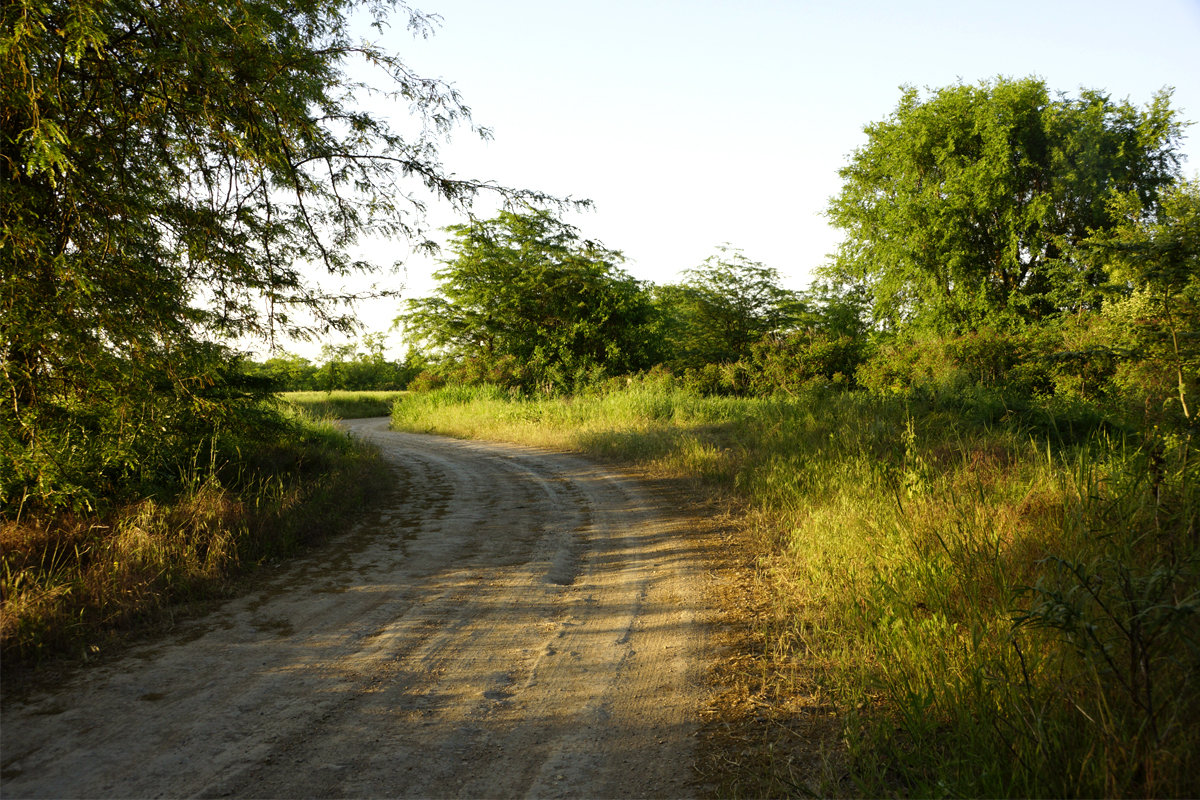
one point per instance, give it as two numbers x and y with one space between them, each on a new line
71 586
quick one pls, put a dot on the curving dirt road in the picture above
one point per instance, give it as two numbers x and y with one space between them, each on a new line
509 623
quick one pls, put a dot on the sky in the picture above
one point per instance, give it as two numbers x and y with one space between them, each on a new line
708 122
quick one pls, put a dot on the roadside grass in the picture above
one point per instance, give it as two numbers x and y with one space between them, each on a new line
954 609
71 585
340 404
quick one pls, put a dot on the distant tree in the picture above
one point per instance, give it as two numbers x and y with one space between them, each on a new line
723 307
835 308
525 290
963 206
287 372
359 366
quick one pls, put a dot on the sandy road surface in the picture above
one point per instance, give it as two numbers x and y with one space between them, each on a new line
510 623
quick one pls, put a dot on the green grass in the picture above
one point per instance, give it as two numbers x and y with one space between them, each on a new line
71 585
341 404
989 615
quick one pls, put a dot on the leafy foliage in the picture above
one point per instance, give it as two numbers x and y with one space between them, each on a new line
169 172
964 207
525 299
723 307
1153 261
356 366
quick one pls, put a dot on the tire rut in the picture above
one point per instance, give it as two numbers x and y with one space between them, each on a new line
511 623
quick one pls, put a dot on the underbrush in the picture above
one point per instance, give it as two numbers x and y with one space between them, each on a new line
72 581
339 404
988 612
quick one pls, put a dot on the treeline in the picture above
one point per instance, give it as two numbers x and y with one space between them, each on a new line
527 305
355 367
1006 249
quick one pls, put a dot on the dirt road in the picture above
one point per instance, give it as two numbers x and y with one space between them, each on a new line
510 623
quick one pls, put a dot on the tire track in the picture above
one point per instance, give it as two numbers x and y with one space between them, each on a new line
511 623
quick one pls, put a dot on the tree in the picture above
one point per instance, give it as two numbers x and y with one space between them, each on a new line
288 372
723 307
367 369
525 290
964 207
1153 262
168 173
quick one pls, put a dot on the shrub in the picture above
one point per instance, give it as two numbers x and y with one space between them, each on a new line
789 363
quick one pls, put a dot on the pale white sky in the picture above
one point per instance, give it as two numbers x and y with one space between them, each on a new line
694 123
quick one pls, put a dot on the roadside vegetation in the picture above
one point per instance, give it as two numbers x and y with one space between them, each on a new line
340 404
965 458
966 453
989 610
74 582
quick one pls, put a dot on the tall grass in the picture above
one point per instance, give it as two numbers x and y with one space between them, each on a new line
69 583
338 404
990 614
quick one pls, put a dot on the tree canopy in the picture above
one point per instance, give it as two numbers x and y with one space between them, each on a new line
524 290
1153 264
176 174
967 204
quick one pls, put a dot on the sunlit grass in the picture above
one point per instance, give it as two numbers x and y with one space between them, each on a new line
342 404
990 615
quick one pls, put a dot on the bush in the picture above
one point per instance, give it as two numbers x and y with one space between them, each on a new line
426 381
88 446
790 363
992 372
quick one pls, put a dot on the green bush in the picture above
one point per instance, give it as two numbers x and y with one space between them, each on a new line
86 446
789 363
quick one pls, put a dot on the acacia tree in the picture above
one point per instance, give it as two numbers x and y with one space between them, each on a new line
525 290
965 206
722 307
168 173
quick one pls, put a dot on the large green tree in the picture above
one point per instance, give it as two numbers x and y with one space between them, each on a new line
174 174
526 290
966 204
